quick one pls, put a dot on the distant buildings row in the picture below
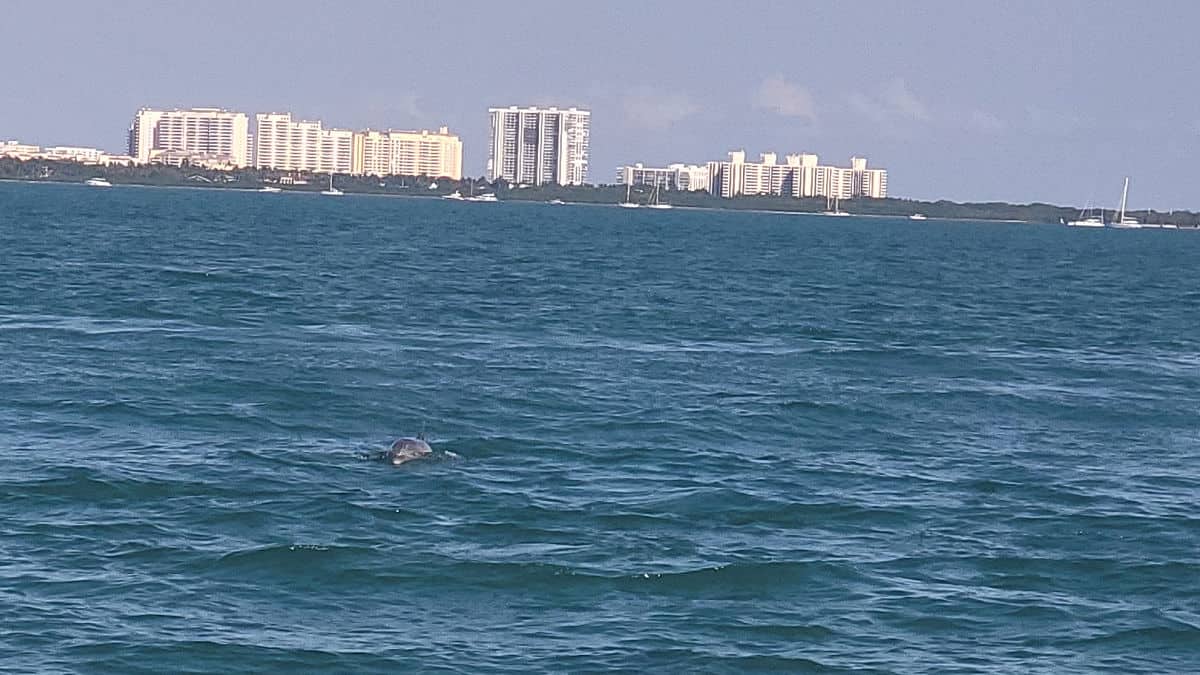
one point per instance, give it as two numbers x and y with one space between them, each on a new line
799 176
526 146
222 139
62 153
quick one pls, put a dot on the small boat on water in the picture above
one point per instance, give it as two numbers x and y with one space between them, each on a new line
1086 220
654 202
1123 221
269 188
627 204
455 196
332 191
485 197
556 201
97 182
917 216
835 210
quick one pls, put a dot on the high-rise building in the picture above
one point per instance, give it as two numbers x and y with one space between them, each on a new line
799 176
408 153
372 154
682 177
301 145
536 146
208 133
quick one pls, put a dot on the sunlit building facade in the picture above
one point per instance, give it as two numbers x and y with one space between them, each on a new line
301 145
211 134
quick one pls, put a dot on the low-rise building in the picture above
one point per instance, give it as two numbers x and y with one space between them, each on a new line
200 160
70 153
117 160
684 177
18 150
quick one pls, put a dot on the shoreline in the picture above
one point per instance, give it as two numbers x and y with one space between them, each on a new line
438 197
420 187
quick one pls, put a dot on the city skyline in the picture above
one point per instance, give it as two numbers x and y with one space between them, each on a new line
1020 102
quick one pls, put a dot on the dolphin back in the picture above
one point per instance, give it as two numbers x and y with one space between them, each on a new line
407 449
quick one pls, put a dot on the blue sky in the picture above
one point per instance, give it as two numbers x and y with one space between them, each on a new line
1013 100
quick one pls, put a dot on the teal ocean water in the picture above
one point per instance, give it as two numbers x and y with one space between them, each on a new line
665 441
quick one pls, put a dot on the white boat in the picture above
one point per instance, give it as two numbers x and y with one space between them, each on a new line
654 203
454 196
332 191
627 204
835 211
1122 220
485 197
97 182
917 216
269 188
1085 220
556 201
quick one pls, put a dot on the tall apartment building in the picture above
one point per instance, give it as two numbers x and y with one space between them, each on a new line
683 177
208 133
536 146
408 153
798 176
301 145
371 153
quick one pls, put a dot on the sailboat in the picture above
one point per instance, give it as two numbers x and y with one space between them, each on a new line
1086 220
1123 221
484 197
627 204
654 203
332 191
836 211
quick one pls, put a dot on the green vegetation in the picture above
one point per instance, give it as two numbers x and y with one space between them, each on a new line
252 179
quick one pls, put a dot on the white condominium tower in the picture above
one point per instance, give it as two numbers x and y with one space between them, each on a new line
207 132
408 153
300 145
536 146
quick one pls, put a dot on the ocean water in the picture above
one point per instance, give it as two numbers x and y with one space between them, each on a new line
678 441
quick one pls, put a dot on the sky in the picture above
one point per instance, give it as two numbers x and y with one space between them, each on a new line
1013 100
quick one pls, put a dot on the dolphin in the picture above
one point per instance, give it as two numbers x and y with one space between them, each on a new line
406 450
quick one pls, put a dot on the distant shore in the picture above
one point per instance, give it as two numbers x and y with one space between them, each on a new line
422 186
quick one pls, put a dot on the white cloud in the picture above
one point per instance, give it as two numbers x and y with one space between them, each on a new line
652 109
784 98
985 122
409 105
893 104
901 100
1053 122
867 107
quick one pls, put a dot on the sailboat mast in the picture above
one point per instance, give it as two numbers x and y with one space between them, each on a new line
1124 195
